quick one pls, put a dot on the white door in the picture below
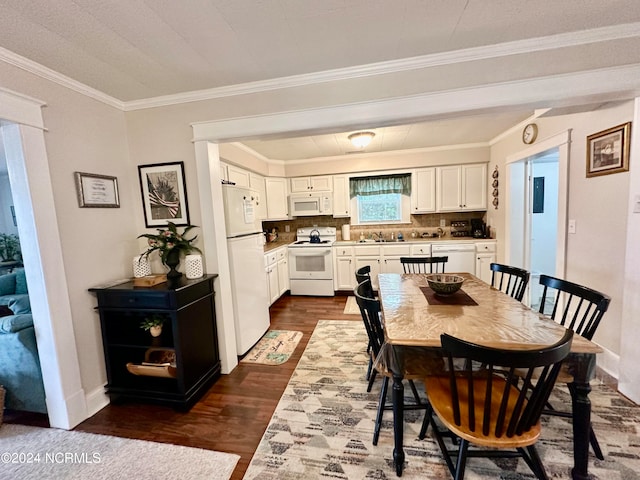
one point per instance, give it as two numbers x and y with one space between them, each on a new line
345 273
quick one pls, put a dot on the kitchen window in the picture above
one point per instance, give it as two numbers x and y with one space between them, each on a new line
380 199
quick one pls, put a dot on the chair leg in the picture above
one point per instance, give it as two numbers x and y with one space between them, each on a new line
532 458
594 444
416 396
369 368
381 404
462 459
372 378
425 422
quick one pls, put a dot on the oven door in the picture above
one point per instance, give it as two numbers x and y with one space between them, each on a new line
314 263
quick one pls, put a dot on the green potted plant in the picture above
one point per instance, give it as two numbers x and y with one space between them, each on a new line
9 247
170 244
153 324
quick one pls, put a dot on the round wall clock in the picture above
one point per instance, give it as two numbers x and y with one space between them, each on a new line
530 133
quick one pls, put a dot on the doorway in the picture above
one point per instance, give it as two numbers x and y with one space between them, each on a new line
536 217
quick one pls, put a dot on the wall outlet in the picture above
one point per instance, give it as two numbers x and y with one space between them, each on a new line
443 222
572 226
287 228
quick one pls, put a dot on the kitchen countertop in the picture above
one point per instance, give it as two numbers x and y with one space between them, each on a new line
275 245
418 240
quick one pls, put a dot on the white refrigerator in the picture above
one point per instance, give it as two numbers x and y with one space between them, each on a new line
245 243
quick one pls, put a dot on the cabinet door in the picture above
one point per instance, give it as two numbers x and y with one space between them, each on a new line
391 265
322 183
448 188
276 188
345 273
423 191
256 182
483 271
283 276
374 263
238 176
474 187
300 184
341 200
272 282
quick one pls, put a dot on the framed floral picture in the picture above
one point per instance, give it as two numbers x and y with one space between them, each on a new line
608 151
164 194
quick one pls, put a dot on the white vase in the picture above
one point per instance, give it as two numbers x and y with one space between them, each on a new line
141 267
193 266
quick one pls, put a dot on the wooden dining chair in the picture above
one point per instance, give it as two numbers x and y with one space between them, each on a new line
484 407
580 309
415 365
423 264
511 280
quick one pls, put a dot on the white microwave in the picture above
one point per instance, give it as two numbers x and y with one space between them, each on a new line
308 204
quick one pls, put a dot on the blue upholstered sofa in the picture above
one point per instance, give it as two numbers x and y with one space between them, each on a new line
20 372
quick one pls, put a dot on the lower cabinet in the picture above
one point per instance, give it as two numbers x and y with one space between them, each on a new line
177 366
345 268
277 273
485 256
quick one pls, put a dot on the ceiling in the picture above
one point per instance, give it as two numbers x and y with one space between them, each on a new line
134 50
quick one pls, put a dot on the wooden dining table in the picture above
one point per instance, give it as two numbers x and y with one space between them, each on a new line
415 318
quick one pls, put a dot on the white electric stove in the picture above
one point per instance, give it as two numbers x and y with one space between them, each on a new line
311 262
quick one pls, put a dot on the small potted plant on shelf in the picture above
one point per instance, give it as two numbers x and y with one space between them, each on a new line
153 324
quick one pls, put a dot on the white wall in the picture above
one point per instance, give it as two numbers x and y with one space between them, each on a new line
97 244
6 219
596 253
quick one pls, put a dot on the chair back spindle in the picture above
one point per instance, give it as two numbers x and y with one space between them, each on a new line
573 306
423 264
511 280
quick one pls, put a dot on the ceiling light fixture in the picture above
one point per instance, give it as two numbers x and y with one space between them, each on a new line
361 139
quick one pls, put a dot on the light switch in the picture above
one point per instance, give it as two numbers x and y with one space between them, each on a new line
572 226
636 204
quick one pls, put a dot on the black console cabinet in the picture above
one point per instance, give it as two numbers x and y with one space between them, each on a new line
135 360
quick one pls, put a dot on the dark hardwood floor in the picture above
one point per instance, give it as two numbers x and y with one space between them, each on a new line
233 415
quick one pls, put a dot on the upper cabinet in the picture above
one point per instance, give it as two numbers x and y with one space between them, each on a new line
341 200
256 182
461 188
320 183
277 207
423 190
238 176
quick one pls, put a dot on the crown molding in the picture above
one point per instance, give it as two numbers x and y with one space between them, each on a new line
595 85
562 40
44 72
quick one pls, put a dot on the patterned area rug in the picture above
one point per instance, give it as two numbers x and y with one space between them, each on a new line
323 426
274 348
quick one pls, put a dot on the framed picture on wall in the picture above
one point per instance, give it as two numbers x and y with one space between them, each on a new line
96 191
164 194
608 151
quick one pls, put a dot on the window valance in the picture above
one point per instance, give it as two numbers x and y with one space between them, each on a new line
380 184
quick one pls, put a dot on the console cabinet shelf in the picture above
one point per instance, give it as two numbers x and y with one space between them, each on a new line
187 346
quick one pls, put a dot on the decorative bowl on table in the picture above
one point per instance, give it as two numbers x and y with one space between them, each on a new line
444 284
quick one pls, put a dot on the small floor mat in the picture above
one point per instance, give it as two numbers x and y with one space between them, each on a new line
351 307
274 348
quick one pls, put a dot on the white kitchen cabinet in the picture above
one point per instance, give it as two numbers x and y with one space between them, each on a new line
368 255
319 183
485 256
256 182
283 270
238 175
421 250
423 190
461 188
390 258
345 270
277 206
341 200
271 270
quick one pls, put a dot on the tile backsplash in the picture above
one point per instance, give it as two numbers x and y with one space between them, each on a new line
427 223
